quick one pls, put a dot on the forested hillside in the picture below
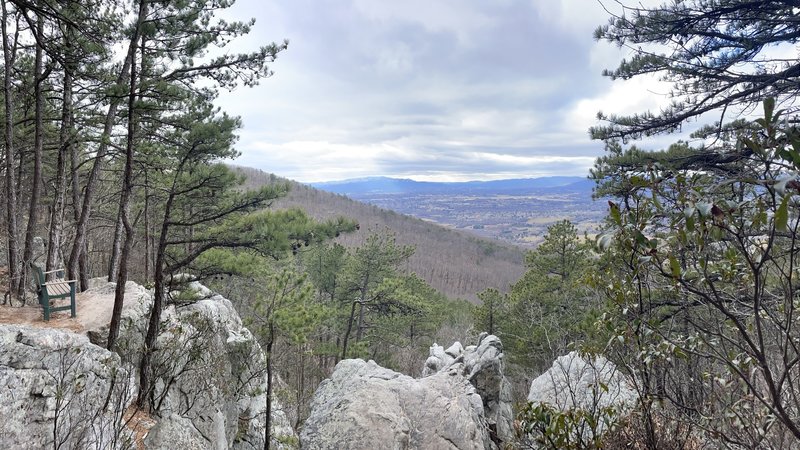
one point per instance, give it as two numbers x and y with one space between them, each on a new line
455 263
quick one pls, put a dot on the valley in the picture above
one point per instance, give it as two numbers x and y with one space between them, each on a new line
515 211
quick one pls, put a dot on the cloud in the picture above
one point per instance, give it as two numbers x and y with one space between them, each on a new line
450 89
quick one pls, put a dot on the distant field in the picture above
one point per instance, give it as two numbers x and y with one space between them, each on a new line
519 219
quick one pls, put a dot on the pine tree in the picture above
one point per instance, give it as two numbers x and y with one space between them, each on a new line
716 54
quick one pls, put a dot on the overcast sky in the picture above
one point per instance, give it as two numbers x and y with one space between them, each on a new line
443 90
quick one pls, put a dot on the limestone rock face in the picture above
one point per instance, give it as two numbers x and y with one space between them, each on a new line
482 365
577 382
53 385
208 371
462 401
365 406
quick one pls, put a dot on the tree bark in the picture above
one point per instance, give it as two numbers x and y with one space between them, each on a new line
38 143
268 419
116 248
76 201
349 329
124 206
99 160
64 149
144 400
10 187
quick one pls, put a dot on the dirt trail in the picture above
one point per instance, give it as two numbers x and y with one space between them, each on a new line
93 311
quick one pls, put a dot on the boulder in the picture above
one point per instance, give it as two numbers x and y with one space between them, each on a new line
365 406
462 401
208 368
575 381
580 382
54 385
221 392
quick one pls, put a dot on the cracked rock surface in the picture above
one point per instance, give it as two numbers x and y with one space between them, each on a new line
462 402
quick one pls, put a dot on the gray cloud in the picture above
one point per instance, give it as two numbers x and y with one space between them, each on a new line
449 89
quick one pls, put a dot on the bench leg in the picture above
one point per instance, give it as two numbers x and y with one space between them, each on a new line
72 299
46 308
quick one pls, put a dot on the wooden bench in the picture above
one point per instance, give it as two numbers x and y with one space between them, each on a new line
53 289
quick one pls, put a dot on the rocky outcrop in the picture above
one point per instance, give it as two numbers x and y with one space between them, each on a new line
208 367
482 365
575 381
462 402
365 406
218 401
588 383
57 389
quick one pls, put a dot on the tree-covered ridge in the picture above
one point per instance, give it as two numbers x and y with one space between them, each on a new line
457 264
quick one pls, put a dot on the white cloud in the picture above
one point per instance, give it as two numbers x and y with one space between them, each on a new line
430 90
644 93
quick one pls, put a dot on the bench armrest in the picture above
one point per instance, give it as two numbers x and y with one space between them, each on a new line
49 283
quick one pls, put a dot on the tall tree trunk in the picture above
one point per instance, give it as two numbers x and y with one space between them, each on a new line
360 326
349 329
11 192
144 400
116 248
268 419
64 149
76 200
38 143
99 161
147 245
124 208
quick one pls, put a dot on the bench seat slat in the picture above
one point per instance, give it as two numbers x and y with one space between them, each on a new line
59 288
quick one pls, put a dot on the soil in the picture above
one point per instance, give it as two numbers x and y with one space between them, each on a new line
93 311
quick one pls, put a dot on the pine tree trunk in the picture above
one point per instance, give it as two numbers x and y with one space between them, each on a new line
76 204
10 187
38 143
124 210
81 227
64 149
268 419
144 400
116 248
349 329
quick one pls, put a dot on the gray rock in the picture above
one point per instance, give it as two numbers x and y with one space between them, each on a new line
208 370
577 382
53 386
462 401
220 390
482 365
365 406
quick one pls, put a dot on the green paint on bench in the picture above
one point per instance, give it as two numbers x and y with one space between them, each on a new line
53 289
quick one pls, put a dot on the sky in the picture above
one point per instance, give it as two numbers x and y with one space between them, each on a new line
445 90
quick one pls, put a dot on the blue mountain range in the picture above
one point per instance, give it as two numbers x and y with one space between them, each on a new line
383 185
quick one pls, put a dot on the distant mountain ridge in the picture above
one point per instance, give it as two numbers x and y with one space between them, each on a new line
385 185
